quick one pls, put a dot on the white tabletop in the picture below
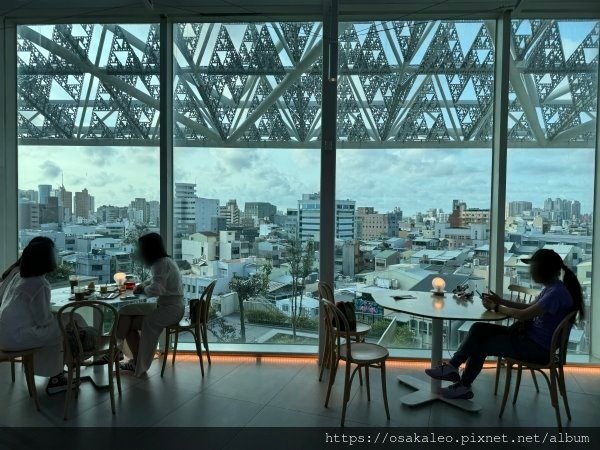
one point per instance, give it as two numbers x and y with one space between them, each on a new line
425 304
61 297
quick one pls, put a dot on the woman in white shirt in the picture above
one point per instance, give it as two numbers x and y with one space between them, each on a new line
166 285
26 319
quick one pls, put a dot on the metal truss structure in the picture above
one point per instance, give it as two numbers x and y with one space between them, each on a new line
400 84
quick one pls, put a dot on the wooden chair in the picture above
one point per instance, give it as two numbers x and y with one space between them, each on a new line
519 294
555 367
197 326
26 357
362 354
105 319
358 335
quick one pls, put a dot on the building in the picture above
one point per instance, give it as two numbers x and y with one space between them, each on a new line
49 211
29 215
65 202
83 204
154 213
386 258
372 225
44 192
309 218
139 206
230 247
260 211
184 212
200 247
517 208
231 212
206 210
95 263
29 195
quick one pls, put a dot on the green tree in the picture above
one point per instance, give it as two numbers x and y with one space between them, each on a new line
247 288
134 232
61 273
300 260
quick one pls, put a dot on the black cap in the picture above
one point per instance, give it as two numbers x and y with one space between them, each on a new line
546 257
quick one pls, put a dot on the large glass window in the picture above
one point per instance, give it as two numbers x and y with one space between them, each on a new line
88 100
414 161
551 157
247 144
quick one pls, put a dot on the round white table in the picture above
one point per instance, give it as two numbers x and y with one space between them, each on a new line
437 308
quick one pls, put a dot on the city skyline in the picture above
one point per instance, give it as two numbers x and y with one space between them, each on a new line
422 176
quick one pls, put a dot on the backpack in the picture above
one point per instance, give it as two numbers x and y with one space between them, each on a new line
349 312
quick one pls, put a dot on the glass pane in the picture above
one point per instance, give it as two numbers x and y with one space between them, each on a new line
246 158
552 132
414 155
88 99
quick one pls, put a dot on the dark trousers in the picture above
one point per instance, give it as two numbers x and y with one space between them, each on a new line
488 339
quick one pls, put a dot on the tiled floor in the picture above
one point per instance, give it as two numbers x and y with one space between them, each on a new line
245 392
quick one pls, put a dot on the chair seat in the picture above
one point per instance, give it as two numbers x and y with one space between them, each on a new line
8 355
183 325
534 366
361 328
365 353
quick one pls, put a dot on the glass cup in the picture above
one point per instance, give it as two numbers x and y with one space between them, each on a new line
103 290
79 293
73 281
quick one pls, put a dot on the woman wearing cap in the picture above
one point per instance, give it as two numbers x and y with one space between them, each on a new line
166 285
529 338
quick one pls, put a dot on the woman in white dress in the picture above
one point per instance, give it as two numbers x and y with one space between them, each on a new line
165 284
10 275
26 320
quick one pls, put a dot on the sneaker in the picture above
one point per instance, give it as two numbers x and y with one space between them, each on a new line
457 390
104 360
58 384
444 371
128 366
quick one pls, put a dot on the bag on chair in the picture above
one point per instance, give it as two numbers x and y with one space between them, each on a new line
349 312
88 337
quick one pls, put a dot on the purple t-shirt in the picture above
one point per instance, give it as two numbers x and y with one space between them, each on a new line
556 301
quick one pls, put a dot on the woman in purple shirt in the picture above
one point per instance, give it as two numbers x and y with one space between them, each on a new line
528 339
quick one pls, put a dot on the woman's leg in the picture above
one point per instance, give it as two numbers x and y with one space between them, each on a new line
133 335
479 334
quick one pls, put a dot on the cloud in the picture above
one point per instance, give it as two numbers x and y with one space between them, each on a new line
50 170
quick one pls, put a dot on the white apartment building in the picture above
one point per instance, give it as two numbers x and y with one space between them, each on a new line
309 218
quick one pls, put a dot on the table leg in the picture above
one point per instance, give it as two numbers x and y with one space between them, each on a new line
428 392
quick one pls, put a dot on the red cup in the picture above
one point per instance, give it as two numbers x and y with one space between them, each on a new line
130 285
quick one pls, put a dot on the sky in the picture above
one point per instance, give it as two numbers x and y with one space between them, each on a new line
413 179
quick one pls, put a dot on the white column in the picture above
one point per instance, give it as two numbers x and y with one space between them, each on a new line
8 145
499 152
328 151
166 132
594 320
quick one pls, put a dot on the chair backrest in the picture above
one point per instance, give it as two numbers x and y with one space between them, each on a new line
336 327
92 314
200 308
522 294
326 292
560 339
205 301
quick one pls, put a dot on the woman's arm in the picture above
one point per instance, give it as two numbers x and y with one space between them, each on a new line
496 299
156 285
529 312
39 305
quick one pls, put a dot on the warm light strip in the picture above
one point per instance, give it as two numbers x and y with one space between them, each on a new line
301 360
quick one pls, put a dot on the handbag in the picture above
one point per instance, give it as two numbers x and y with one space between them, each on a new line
88 337
349 312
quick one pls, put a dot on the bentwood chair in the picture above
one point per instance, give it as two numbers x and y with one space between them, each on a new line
197 326
26 357
361 354
101 342
358 335
555 367
519 294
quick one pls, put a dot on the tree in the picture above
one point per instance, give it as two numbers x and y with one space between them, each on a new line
300 260
61 273
131 238
247 288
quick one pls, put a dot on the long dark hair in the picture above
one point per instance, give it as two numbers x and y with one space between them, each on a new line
574 287
38 258
546 265
17 263
151 248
